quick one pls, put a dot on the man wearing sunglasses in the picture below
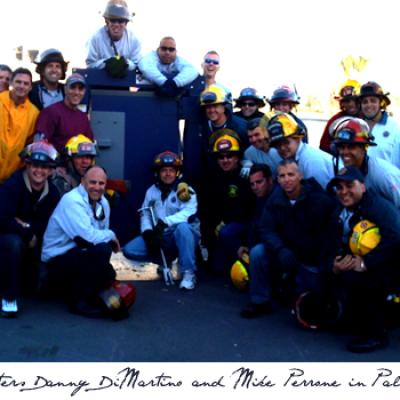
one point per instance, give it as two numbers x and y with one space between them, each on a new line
27 200
165 69
249 103
114 47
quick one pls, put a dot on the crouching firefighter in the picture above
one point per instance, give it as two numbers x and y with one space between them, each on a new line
77 247
169 223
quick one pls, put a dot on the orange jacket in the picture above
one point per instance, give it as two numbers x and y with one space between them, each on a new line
16 130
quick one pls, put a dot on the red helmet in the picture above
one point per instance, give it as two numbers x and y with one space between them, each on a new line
167 159
353 130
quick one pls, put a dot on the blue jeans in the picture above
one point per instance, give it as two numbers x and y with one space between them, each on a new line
259 276
262 268
180 240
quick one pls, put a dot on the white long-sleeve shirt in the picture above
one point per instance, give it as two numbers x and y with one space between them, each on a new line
171 211
99 49
155 71
73 217
386 135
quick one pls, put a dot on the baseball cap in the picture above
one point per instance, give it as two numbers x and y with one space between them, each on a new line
75 78
348 174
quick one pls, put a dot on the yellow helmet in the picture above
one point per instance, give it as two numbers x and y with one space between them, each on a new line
80 145
225 141
239 274
349 89
214 94
365 237
283 125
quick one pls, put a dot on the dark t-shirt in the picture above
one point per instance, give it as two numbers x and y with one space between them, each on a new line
59 123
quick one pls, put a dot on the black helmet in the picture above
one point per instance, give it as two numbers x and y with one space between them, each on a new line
48 56
40 152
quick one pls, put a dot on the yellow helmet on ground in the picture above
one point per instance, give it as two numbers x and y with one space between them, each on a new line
239 274
80 145
365 237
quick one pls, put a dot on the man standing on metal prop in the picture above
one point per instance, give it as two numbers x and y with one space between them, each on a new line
113 47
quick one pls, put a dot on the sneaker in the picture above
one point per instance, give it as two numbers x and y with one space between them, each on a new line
9 308
189 281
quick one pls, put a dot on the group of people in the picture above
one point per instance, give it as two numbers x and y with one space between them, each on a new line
317 228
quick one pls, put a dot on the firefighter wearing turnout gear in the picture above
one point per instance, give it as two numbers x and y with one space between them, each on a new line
363 263
229 203
176 229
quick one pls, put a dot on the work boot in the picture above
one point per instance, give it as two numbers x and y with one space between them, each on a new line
189 281
9 308
254 310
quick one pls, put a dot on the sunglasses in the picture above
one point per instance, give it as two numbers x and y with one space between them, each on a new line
224 156
211 61
248 104
170 49
117 21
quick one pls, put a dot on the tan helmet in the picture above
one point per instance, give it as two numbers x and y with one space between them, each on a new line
117 9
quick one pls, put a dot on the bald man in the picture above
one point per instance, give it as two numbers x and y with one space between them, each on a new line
78 243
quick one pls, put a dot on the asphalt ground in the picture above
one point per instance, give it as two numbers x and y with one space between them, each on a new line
167 324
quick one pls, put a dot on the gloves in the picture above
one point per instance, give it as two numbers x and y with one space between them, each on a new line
168 89
153 247
183 192
287 260
245 171
159 230
117 67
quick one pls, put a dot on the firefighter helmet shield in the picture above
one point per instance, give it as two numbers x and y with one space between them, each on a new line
365 237
283 125
79 146
353 130
40 152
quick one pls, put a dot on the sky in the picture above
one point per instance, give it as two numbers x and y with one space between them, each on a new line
262 43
